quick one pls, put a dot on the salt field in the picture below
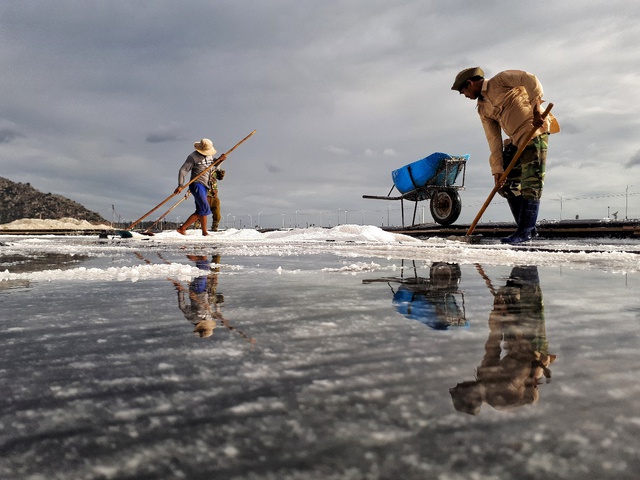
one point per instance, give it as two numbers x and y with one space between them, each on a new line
344 353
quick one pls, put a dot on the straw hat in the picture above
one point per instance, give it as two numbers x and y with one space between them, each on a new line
205 147
205 328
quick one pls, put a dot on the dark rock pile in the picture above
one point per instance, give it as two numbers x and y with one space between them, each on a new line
21 200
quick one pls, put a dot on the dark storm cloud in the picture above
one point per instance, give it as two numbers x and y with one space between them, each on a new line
161 137
273 168
634 160
9 134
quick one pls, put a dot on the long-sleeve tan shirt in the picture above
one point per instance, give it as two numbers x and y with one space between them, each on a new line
507 104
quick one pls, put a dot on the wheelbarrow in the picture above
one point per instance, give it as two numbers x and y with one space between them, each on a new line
431 178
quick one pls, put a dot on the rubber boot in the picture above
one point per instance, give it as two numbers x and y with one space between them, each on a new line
526 223
515 205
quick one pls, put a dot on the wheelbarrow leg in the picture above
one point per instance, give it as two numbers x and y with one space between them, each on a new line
415 209
402 209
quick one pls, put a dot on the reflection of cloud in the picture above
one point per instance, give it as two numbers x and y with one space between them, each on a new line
337 150
634 160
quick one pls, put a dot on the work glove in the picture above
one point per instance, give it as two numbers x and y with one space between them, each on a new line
220 174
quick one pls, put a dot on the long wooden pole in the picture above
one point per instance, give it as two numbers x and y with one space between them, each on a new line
213 165
148 230
506 172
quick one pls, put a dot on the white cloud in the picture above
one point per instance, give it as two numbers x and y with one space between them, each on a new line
337 150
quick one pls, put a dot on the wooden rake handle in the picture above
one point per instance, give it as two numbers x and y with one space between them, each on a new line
506 172
148 230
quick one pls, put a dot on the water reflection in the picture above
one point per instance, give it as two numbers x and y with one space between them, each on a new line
17 263
200 302
516 358
203 306
435 301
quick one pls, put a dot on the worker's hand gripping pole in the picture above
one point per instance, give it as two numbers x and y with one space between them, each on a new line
506 172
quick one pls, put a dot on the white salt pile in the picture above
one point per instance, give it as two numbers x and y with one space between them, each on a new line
48 224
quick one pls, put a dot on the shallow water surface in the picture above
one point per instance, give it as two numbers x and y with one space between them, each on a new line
220 362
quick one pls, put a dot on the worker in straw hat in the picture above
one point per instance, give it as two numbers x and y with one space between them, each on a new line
511 102
197 162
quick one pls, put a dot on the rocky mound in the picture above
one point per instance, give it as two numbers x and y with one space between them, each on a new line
21 200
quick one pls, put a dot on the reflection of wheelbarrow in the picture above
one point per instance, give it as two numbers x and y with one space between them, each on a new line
431 178
432 301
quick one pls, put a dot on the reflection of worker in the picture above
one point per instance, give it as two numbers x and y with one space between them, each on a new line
516 352
203 310
196 163
511 102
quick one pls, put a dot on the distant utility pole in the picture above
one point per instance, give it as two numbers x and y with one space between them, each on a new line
560 206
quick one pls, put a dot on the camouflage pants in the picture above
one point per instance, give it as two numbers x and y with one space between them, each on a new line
527 176
214 203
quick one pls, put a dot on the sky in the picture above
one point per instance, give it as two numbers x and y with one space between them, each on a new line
102 102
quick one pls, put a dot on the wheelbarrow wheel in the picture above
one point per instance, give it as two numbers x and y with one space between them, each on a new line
446 206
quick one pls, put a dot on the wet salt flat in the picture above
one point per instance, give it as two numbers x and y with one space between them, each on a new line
348 353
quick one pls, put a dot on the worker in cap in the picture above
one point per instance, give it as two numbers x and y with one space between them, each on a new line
510 102
467 74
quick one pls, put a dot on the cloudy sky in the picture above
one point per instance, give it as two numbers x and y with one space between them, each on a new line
102 101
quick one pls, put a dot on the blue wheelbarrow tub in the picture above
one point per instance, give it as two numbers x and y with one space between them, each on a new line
428 171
